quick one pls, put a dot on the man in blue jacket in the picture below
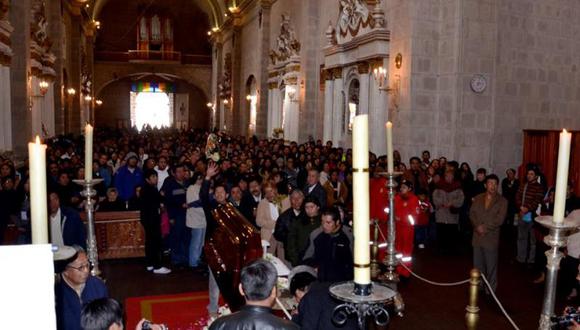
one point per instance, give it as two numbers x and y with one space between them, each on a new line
128 178
66 227
174 191
74 289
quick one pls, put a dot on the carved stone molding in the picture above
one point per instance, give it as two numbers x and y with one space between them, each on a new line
42 60
354 15
337 73
287 45
363 67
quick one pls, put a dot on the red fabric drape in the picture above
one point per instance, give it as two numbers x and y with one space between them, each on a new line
541 147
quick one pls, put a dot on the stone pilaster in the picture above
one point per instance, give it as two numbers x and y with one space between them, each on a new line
6 30
74 116
19 73
262 127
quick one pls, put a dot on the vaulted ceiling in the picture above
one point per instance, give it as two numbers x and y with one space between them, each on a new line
215 9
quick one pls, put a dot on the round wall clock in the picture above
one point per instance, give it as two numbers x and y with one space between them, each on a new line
478 83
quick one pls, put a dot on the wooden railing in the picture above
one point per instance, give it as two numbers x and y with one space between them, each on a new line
151 56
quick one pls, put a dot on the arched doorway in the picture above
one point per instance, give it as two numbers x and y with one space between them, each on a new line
153 109
353 102
251 104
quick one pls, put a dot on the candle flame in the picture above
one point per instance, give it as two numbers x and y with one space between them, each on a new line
37 139
389 124
565 131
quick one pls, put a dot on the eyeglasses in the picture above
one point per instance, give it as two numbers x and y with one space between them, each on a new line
82 268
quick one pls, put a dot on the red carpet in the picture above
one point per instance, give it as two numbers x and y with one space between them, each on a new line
185 311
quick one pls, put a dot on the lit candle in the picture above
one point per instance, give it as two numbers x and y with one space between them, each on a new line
38 204
88 152
390 167
360 161
562 176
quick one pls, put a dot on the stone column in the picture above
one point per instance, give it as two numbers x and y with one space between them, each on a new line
338 107
20 101
56 33
292 114
90 30
363 104
75 123
37 102
269 110
378 110
263 124
237 98
328 106
217 66
6 30
48 112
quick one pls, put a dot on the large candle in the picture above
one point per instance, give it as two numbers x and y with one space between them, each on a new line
360 164
38 204
390 167
562 176
88 152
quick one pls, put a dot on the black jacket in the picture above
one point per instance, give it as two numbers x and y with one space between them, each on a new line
316 308
252 318
318 192
283 224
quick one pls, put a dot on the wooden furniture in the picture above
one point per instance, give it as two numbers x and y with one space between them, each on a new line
232 244
119 234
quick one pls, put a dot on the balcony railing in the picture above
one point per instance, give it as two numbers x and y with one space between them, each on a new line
151 56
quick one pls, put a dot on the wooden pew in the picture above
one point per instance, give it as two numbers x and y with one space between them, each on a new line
119 234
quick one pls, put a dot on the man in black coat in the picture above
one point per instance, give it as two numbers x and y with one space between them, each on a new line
250 200
314 189
294 213
330 249
258 286
150 208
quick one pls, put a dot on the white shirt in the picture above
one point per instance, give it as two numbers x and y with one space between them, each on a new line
56 229
161 176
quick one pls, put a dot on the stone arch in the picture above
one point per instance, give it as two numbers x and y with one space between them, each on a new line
115 111
251 104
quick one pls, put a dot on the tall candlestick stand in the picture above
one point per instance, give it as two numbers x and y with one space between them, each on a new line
391 261
363 305
88 192
558 237
375 269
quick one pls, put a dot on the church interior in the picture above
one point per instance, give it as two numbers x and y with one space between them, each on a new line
274 93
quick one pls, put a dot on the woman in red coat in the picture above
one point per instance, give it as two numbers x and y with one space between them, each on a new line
407 210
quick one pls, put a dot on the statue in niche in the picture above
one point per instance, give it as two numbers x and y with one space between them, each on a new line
286 44
225 86
40 25
353 14
86 83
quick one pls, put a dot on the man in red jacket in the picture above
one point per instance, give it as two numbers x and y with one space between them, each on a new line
406 213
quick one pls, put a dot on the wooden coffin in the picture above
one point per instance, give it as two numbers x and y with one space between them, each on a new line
119 234
232 245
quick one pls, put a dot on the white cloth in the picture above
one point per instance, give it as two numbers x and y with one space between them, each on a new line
56 229
194 217
161 176
274 211
574 245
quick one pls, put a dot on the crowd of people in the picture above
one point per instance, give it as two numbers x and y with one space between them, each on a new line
298 196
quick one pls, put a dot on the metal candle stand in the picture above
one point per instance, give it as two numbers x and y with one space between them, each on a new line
391 277
88 192
364 301
557 238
